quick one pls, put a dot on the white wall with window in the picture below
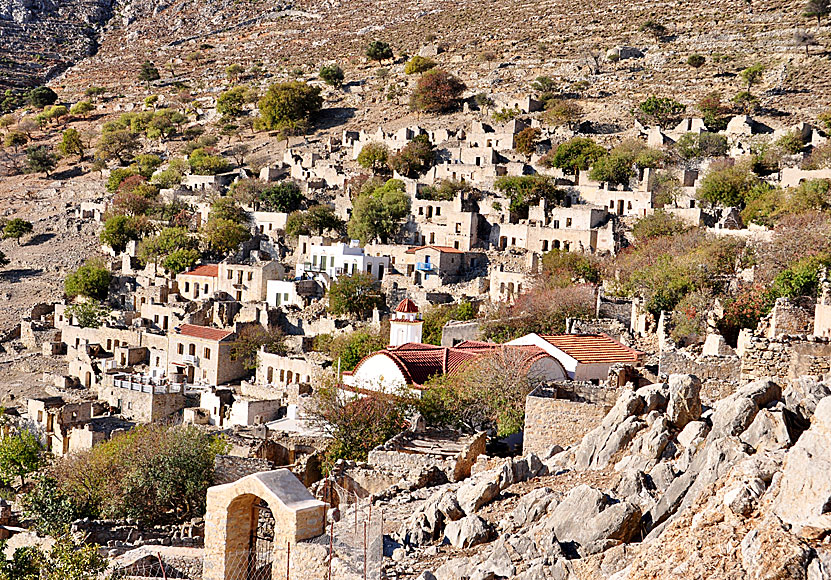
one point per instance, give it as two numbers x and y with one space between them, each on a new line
341 259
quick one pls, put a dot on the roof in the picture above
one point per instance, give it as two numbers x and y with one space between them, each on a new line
208 270
407 306
205 332
592 348
444 249
418 362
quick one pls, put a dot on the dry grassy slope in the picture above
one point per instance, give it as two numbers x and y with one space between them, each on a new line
550 37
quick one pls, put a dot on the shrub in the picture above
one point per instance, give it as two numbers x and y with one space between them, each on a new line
284 196
351 347
415 158
378 211
744 310
203 163
91 280
659 223
801 278
525 190
435 317
791 143
355 295
418 65
332 75
378 50
562 112
374 156
527 140
698 145
576 154
661 111
288 106
562 269
654 28
696 60
41 97
436 91
505 114
253 338
726 186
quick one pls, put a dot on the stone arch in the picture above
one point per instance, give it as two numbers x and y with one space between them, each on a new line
231 517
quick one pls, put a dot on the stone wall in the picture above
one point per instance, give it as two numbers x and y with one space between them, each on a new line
228 468
557 421
119 533
784 357
610 326
671 362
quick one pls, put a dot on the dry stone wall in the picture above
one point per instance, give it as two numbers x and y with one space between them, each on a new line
550 420
787 356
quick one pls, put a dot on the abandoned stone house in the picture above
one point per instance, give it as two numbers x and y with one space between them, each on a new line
279 370
244 282
71 427
141 398
226 408
201 354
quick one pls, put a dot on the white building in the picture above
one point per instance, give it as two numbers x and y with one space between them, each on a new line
341 259
405 324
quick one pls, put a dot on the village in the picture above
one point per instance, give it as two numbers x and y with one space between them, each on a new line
423 317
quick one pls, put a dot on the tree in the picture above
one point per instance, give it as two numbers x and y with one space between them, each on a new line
804 38
355 295
377 213
317 219
658 224
91 280
16 228
233 71
230 103
525 190
374 156
88 314
20 455
180 260
576 154
288 106
752 75
253 338
223 236
15 140
119 230
654 29
415 158
227 208
661 111
332 75
4 261
436 91
698 145
203 163
378 50
41 97
726 185
714 113
82 108
418 64
148 73
284 197
527 140
118 144
817 9
168 241
562 112
39 159
72 144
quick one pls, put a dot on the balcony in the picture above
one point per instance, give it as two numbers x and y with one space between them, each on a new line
309 267
424 266
190 359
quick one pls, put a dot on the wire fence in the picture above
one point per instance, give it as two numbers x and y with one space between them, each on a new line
351 548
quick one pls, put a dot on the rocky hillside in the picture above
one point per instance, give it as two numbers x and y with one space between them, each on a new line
664 488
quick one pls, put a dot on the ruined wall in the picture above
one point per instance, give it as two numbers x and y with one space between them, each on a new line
554 421
785 357
228 468
726 368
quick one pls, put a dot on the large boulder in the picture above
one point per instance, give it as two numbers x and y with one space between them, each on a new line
477 492
533 505
805 489
467 532
684 400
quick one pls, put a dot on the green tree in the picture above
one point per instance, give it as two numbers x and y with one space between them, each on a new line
661 111
223 236
204 163
91 280
435 317
226 208
374 156
317 219
119 230
576 154
752 75
378 212
230 103
286 106
20 455
612 169
727 186
89 314
233 71
40 159
659 223
40 97
284 196
180 260
525 190
378 50
654 29
16 228
355 295
72 144
120 144
418 65
51 508
168 241
415 158
253 338
436 91
332 75
4 261
148 73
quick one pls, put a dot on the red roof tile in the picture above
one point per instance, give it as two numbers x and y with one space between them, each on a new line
407 306
592 348
205 332
445 249
208 270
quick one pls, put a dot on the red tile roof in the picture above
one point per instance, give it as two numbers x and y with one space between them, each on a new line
208 270
407 306
593 348
445 249
418 362
205 332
